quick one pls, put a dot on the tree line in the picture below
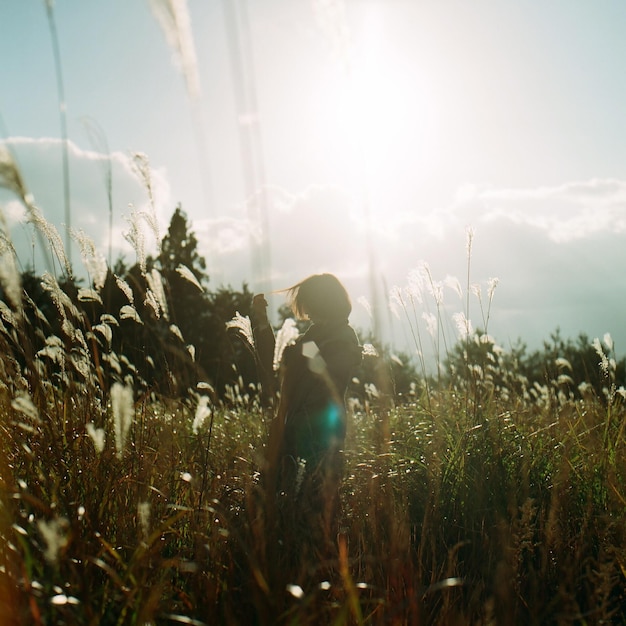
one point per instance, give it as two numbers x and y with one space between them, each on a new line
169 333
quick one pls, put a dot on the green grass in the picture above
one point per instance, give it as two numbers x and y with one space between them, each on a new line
512 517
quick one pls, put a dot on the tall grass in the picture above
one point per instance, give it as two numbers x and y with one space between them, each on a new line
123 507
518 519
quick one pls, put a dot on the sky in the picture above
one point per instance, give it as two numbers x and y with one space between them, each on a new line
366 138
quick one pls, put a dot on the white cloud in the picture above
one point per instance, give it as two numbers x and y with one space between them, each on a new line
568 212
229 235
309 232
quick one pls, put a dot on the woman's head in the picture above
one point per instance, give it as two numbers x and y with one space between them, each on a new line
320 298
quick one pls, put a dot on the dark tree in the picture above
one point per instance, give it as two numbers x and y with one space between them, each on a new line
200 314
180 247
165 328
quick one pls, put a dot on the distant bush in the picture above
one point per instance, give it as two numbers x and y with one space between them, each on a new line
563 369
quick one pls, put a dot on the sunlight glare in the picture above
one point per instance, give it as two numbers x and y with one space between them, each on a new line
383 123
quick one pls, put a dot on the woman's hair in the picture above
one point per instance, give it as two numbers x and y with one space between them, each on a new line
319 297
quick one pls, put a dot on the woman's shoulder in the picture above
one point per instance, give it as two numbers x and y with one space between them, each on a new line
337 335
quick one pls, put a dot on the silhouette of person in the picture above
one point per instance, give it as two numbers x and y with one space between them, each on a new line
305 448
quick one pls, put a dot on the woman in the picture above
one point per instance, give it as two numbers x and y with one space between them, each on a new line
309 429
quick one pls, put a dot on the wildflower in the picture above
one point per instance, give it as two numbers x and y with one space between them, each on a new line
141 166
143 514
123 410
152 302
125 289
176 332
53 350
203 410
415 286
369 350
86 294
435 287
175 22
59 297
243 327
431 323
395 300
49 231
371 390
155 288
10 177
10 279
463 325
106 332
563 363
97 437
604 361
492 283
61 599
564 379
135 238
454 284
189 276
54 534
94 262
129 312
286 336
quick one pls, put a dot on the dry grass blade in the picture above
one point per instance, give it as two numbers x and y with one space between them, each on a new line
174 19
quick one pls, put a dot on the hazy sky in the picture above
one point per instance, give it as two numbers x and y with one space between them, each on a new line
381 131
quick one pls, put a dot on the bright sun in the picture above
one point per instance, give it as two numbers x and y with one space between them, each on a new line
382 122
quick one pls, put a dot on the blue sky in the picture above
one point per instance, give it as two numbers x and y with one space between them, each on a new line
397 123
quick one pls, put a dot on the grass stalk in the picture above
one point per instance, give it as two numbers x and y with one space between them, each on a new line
58 68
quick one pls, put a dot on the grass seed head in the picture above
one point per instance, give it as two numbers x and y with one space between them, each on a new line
123 411
97 437
54 534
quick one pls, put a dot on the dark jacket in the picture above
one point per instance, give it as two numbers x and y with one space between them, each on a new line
314 386
314 374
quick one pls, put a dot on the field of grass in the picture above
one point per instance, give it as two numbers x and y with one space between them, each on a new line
462 505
